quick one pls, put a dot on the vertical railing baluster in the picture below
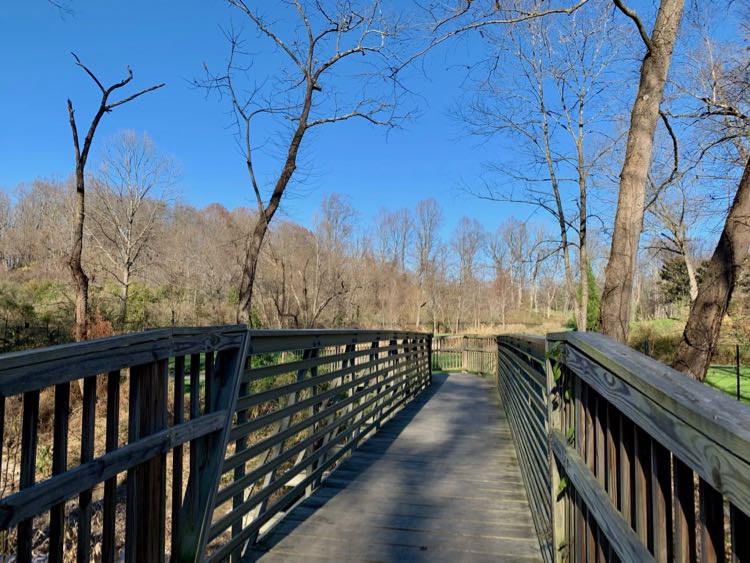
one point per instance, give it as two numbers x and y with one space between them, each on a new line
146 491
29 436
711 523
684 512
59 465
178 417
109 509
88 428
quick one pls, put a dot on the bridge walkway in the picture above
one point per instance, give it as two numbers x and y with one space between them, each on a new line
439 482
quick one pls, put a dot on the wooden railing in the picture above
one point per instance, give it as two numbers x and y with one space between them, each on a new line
469 353
97 420
185 441
645 463
307 399
522 384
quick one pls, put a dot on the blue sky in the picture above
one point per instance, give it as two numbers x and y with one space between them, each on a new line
430 156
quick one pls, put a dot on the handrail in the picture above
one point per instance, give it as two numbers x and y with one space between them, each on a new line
630 437
252 420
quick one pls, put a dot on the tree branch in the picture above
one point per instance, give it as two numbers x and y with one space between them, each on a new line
637 21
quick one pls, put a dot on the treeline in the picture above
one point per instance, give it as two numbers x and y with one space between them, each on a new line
155 261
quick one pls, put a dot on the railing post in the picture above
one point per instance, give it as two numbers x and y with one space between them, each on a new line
197 508
560 540
465 353
146 484
429 355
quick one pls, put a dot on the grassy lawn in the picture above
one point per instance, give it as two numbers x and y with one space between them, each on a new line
724 378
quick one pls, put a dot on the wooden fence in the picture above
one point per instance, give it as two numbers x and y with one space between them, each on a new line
644 463
469 353
185 441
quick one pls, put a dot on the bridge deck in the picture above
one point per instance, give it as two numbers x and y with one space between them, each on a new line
439 482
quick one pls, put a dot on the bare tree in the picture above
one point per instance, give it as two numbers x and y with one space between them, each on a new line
4 228
548 87
673 217
468 239
329 44
128 198
80 279
394 234
429 218
618 283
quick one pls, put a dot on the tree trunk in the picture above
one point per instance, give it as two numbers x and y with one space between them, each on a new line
124 295
249 270
583 254
250 267
618 285
80 279
715 291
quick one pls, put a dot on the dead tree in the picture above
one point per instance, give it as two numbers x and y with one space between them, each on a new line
80 279
304 93
618 283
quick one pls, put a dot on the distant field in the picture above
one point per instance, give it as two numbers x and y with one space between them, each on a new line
724 378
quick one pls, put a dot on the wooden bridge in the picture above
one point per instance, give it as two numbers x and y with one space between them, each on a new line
223 443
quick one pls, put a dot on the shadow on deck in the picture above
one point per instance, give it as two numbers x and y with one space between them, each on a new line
440 481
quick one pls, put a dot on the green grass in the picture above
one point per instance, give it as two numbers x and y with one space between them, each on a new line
724 378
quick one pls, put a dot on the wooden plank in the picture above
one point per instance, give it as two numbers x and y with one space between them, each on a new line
684 512
29 430
613 447
88 438
146 491
178 417
274 439
620 536
296 406
661 502
740 526
625 476
109 504
59 465
555 424
711 523
272 487
642 483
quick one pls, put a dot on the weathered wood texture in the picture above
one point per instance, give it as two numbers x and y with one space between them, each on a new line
522 382
309 399
127 450
439 482
109 468
648 458
469 353
261 415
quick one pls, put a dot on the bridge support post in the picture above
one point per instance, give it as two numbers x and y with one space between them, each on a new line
561 547
146 484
